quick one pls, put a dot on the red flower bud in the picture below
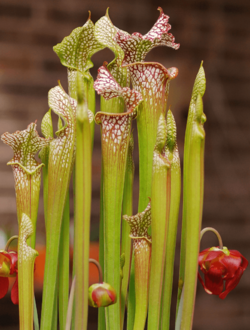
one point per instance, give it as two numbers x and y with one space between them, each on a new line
8 268
101 295
218 266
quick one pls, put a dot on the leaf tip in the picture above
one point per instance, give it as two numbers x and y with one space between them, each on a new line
107 13
161 133
160 10
200 83
171 130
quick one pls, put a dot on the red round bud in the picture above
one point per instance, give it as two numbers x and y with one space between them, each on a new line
101 295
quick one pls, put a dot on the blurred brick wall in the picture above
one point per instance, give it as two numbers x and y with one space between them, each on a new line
215 31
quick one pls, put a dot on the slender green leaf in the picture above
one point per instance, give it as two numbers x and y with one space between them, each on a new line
127 208
160 203
139 224
173 156
26 260
154 91
36 320
193 186
83 175
47 131
63 273
115 138
61 160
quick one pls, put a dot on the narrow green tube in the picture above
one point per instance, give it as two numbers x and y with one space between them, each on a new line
115 105
114 159
155 94
116 130
173 156
83 175
193 186
139 224
63 273
61 160
127 208
131 297
160 204
26 260
101 310
199 87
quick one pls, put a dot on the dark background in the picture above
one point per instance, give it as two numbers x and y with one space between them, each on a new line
215 31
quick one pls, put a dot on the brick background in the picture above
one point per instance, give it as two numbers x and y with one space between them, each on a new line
216 31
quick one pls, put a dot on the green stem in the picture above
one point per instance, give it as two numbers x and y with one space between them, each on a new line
172 226
83 174
88 81
47 130
95 262
194 214
114 151
116 130
147 129
127 208
131 296
61 160
45 191
26 259
64 265
115 105
142 269
139 224
161 188
101 310
36 320
70 306
204 230
193 186
179 313
155 96
9 242
199 87
55 309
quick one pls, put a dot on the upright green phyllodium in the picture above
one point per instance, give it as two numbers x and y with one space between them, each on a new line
127 208
27 172
145 77
83 176
63 278
26 260
61 159
171 150
160 203
139 225
193 186
116 130
152 81
47 131
75 52
105 33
